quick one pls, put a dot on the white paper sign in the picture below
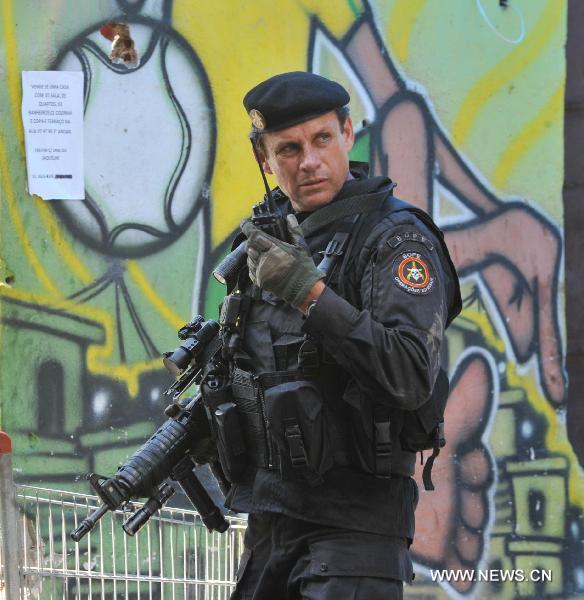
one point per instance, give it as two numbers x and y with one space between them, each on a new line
52 115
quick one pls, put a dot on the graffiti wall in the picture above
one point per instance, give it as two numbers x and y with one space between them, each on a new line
459 101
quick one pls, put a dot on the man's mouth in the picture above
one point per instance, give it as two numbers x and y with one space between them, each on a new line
313 182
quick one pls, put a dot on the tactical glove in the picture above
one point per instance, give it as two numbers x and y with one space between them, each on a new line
286 270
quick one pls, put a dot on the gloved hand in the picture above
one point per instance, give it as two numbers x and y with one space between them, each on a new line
286 270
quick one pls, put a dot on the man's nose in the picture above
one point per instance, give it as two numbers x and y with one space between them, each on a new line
310 159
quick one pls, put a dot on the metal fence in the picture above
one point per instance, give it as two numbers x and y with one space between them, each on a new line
172 557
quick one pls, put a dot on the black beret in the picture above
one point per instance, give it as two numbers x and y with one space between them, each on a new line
291 98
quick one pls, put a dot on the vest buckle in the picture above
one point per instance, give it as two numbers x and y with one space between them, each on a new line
308 358
296 448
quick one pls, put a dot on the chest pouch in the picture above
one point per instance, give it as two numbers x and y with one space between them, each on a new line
297 423
371 432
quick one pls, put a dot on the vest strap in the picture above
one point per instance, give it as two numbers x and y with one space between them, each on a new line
342 208
309 353
309 358
297 452
382 426
427 472
439 442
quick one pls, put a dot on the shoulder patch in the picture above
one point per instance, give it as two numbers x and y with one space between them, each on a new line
411 272
409 236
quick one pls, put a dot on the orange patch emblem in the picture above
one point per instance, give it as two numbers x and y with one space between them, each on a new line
412 274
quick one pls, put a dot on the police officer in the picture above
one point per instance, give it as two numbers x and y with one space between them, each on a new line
331 355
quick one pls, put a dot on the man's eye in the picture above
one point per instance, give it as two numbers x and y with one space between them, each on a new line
323 137
288 149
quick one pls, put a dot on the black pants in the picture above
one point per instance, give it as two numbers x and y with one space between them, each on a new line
289 559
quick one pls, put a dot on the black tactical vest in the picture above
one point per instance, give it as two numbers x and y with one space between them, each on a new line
300 413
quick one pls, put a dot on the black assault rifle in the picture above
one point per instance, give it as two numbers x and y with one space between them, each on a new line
168 454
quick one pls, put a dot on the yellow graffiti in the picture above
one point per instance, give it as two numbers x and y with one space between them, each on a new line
481 319
159 304
507 69
14 94
97 354
402 21
337 16
66 251
64 248
12 72
530 133
556 436
266 38
31 255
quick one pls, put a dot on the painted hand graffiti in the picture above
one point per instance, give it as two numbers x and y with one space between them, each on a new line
522 276
516 253
452 520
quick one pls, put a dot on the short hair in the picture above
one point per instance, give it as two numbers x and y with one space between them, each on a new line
256 135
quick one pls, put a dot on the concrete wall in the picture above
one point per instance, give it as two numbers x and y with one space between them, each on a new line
464 101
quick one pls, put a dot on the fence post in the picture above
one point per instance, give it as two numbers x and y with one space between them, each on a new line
11 544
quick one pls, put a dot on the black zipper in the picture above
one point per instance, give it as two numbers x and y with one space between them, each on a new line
262 404
373 265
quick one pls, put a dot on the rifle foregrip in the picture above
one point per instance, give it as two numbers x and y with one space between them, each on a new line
152 463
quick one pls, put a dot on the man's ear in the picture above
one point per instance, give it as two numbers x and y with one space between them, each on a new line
264 161
261 157
348 134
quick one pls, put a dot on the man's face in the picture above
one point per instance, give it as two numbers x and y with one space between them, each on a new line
310 161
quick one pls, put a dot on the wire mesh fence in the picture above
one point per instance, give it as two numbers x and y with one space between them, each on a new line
172 557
